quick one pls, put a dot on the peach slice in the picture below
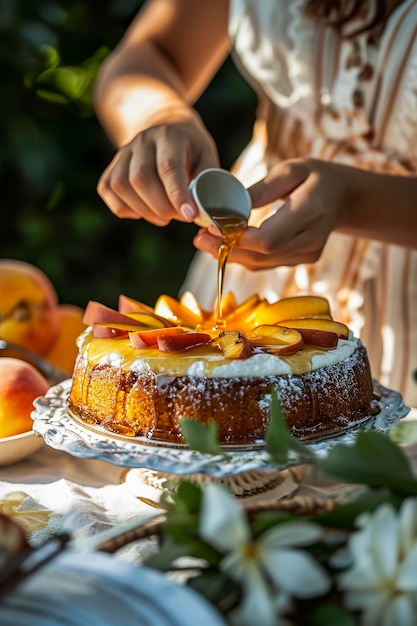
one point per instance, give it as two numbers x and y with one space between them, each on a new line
170 309
182 341
277 339
245 313
149 338
97 313
20 384
130 305
234 344
314 323
190 302
229 304
112 330
150 319
324 339
294 307
28 304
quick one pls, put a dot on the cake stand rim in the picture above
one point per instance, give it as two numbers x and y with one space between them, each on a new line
53 422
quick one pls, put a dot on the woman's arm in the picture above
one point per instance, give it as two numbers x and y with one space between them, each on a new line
143 98
320 197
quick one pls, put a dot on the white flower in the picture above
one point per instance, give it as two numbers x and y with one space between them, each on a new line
383 580
267 568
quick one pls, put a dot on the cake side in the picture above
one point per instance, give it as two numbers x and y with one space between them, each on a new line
150 405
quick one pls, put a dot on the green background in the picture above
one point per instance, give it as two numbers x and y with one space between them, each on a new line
53 150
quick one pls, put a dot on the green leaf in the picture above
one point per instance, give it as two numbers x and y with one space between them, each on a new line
218 589
68 83
404 433
372 460
330 615
163 559
279 443
344 515
200 437
189 544
265 520
188 497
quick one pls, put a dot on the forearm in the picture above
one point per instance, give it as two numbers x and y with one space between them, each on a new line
161 66
382 207
133 93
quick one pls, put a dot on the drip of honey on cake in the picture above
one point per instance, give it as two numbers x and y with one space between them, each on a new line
231 226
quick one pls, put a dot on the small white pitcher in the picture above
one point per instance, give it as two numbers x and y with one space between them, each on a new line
216 190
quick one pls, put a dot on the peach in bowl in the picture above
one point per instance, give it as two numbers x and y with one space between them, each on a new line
18 447
20 384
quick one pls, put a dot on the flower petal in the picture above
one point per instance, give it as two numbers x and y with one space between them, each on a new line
360 578
291 534
376 546
222 521
407 575
400 611
372 601
296 572
408 524
373 614
235 565
385 541
258 606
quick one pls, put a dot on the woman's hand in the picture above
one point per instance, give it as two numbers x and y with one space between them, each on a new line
317 197
149 177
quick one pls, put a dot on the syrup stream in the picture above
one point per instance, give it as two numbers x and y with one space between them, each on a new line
231 226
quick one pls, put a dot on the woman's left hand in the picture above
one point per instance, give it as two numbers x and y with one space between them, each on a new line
317 197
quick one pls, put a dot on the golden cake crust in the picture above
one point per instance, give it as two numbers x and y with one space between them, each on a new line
145 404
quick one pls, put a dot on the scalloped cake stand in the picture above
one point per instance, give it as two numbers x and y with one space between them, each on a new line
247 470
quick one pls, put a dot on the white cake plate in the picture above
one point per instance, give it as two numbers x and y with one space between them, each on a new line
60 430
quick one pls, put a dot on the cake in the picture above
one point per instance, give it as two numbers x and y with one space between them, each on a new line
140 370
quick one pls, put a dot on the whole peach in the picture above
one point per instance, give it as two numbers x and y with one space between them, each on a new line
28 303
64 350
20 384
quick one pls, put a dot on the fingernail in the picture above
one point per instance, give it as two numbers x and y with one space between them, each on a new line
203 240
188 211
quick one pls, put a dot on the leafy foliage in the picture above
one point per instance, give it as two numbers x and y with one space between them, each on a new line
279 443
200 437
380 475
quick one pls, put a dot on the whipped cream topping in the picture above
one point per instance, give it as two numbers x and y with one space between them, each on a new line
272 365
344 349
203 362
114 359
257 365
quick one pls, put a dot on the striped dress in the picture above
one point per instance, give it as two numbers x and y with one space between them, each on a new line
353 101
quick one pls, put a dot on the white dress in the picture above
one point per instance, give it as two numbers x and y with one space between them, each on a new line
354 102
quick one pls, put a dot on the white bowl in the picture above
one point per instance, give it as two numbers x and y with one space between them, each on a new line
18 447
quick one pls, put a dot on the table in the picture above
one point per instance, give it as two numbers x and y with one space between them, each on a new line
56 491
52 491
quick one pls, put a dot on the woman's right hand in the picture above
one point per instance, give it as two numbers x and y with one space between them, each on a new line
149 176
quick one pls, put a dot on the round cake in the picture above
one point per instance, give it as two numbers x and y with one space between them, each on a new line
140 370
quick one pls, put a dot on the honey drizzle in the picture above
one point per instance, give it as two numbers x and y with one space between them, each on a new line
231 226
